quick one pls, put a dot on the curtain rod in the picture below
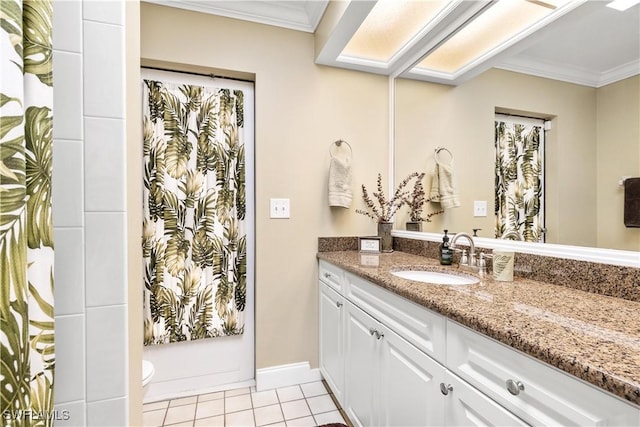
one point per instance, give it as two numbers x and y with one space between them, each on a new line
213 76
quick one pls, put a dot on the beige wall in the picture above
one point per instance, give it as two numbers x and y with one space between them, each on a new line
579 174
618 156
301 109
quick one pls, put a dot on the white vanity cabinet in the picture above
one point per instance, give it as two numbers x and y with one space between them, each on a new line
331 332
331 327
388 382
391 362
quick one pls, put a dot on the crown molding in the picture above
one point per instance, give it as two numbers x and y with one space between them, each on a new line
555 71
300 16
622 72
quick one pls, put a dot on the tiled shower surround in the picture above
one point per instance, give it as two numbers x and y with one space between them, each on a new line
89 212
603 279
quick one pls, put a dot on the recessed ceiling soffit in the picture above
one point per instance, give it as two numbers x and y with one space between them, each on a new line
451 41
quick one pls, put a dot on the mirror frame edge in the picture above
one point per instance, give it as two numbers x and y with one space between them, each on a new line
578 253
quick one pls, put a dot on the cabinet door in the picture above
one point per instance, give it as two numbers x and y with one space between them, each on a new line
361 366
466 406
410 384
331 339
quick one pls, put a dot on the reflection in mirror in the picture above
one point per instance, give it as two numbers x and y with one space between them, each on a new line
592 141
519 178
588 149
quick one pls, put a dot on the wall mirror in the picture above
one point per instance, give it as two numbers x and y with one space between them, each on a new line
582 75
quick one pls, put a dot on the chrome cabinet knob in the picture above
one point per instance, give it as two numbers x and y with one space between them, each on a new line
327 275
339 304
514 387
445 388
375 332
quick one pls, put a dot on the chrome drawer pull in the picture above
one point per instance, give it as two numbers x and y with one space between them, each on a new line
327 275
514 387
338 304
372 331
445 388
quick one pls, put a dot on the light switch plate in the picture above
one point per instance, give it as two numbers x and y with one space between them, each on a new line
480 208
280 208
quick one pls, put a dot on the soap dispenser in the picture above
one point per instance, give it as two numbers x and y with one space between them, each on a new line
446 254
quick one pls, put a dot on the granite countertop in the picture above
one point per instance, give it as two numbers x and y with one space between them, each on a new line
593 337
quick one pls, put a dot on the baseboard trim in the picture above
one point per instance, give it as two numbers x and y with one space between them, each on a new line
175 389
286 375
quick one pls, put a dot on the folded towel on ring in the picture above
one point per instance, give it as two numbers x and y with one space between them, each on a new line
340 192
443 188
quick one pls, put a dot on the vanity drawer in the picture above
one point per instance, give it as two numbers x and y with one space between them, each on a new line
332 276
420 326
540 394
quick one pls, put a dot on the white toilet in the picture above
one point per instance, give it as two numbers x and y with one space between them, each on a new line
147 374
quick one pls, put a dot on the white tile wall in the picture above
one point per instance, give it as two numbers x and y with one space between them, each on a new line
67 94
107 413
67 182
89 213
106 352
104 159
67 21
106 11
105 244
70 358
69 270
103 70
71 414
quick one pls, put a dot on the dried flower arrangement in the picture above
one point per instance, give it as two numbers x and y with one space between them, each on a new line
416 200
386 209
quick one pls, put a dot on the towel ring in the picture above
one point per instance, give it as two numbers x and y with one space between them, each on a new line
338 144
438 150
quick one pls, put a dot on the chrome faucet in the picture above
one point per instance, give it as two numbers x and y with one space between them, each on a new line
470 262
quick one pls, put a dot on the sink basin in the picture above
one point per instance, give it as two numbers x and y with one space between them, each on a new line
436 278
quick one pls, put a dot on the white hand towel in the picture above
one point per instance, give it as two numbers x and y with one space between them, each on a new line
443 187
434 194
340 193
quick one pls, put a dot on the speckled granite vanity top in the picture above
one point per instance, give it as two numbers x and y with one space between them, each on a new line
593 337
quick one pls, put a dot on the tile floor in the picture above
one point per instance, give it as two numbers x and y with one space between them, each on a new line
301 405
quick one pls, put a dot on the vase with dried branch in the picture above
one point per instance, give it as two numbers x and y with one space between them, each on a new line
382 209
416 201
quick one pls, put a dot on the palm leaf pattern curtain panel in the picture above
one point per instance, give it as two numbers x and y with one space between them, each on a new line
519 144
26 229
194 238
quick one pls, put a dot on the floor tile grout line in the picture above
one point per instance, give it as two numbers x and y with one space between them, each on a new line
253 408
166 411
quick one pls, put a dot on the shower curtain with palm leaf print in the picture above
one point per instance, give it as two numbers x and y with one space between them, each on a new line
194 239
26 231
519 188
